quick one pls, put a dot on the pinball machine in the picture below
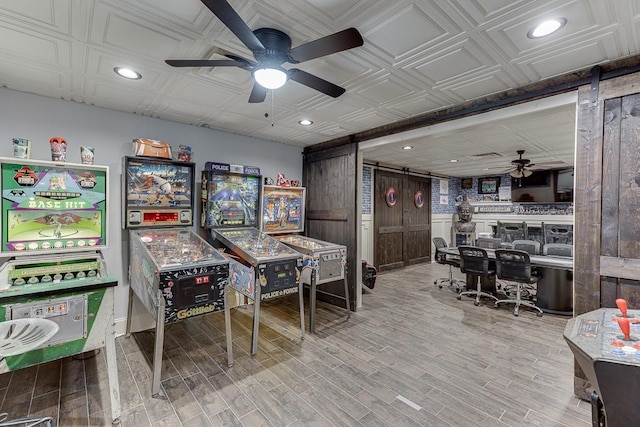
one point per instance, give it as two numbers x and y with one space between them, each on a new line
56 294
260 267
323 262
173 272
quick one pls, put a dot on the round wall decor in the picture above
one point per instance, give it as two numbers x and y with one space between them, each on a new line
418 199
391 197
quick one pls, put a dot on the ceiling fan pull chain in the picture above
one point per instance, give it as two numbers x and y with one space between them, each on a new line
273 123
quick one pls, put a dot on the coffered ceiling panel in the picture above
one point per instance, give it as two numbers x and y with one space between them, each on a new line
418 57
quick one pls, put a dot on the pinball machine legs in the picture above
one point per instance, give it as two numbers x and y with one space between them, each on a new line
112 369
256 321
159 338
227 326
313 299
157 350
301 304
256 317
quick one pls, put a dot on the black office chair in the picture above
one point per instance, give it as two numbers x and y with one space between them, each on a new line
515 266
558 249
451 261
531 247
474 260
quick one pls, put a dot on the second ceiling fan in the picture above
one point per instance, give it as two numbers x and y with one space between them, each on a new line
271 48
521 167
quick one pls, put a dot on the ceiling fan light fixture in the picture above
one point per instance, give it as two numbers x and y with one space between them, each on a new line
269 76
547 27
127 73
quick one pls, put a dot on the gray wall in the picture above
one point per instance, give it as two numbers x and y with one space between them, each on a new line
39 118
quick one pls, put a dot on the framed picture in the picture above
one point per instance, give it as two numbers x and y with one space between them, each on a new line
466 183
488 185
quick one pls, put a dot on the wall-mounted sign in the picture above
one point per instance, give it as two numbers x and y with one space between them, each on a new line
391 197
418 199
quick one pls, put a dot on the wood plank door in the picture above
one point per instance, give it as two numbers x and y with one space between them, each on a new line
402 218
607 199
330 178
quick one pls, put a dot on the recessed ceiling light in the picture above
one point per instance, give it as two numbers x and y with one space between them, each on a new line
127 73
453 161
305 122
485 169
408 147
546 28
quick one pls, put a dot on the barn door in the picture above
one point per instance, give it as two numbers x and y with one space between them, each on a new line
402 217
607 199
330 178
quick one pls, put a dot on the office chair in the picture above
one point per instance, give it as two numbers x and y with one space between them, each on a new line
474 260
441 258
529 246
558 249
515 266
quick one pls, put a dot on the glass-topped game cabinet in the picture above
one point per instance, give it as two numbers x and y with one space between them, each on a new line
283 213
56 293
260 267
173 272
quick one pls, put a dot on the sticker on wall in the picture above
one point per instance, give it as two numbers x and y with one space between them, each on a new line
418 199
391 197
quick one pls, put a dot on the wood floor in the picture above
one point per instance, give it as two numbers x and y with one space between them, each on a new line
412 356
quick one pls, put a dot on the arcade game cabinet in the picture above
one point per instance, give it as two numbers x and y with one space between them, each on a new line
174 272
56 295
323 262
230 207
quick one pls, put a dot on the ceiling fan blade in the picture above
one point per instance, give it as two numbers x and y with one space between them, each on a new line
258 94
337 42
316 83
207 63
232 20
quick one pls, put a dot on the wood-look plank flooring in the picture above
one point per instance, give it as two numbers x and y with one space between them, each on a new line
413 355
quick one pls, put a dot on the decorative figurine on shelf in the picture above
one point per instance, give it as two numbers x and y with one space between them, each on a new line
184 153
282 181
462 223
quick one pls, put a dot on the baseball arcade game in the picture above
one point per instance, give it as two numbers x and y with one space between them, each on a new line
173 272
56 295
260 267
283 211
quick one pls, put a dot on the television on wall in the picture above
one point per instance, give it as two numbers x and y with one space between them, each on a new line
549 186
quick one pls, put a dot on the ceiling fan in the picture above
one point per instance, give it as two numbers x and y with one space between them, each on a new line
521 167
271 48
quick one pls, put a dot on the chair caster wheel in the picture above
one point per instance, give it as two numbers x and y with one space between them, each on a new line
476 303
495 305
439 286
459 297
515 313
539 314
